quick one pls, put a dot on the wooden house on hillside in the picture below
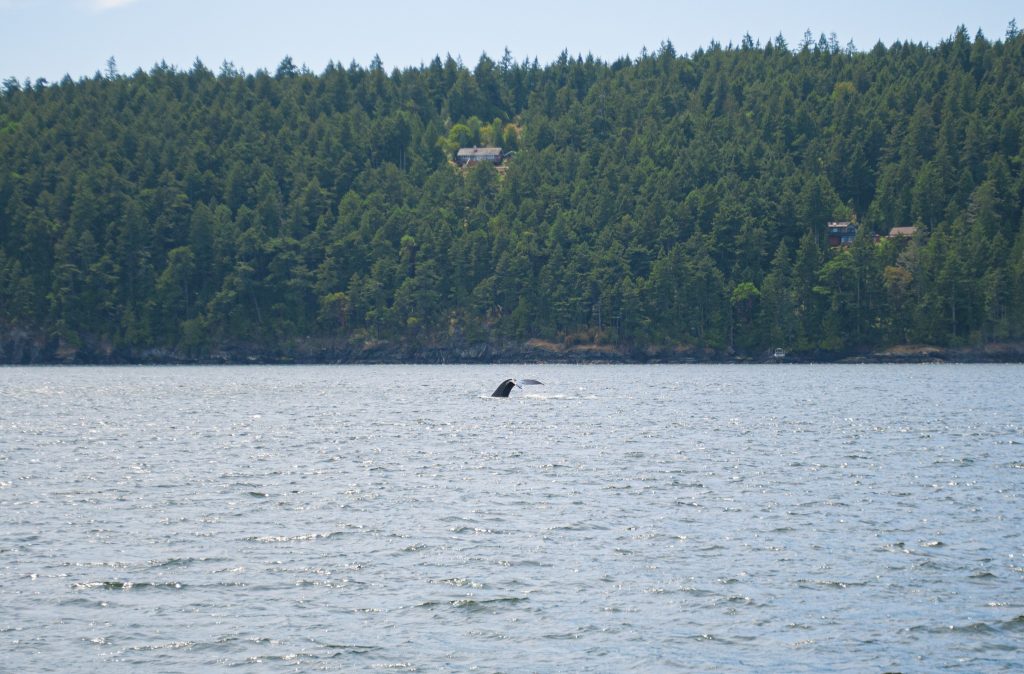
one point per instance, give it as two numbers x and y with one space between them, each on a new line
841 233
902 232
476 155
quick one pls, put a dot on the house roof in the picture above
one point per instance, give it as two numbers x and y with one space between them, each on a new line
902 231
474 152
840 225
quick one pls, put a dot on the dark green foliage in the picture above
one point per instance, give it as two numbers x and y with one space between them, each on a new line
662 202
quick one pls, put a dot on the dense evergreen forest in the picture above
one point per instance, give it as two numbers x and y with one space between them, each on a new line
661 204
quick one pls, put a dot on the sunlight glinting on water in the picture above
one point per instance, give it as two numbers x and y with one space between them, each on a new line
797 518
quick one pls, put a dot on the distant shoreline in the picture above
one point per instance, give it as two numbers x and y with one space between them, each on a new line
24 352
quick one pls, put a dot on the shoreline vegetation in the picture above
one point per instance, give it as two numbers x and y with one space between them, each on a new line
839 204
17 349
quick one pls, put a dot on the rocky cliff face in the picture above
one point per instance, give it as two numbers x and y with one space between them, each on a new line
20 347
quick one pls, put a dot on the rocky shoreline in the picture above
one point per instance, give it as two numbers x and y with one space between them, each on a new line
18 347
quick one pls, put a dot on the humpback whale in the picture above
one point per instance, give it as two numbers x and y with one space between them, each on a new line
505 387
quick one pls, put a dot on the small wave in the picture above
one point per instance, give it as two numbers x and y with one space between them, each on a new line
350 649
334 583
970 628
836 584
459 582
473 605
126 585
415 547
171 645
524 562
898 546
295 538
288 657
398 666
474 530
174 562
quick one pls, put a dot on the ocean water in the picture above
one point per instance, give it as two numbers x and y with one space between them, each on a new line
619 518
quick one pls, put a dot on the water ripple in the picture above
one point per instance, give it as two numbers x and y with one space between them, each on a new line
648 518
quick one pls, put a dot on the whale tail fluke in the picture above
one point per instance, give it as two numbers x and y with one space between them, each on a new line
505 387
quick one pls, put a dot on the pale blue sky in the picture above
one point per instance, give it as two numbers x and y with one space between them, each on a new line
48 38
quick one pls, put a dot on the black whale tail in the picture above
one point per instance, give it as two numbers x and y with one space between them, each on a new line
505 387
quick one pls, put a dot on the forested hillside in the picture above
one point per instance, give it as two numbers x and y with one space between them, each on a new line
665 202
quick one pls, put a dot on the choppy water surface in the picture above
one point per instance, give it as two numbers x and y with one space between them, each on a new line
648 518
